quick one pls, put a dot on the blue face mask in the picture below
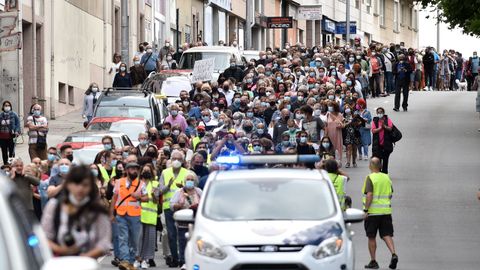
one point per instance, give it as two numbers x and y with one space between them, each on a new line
95 172
249 80
312 74
63 169
113 163
268 73
206 119
216 114
37 113
326 145
174 112
125 154
257 148
288 106
285 143
349 83
52 157
189 184
107 146
260 131
303 139
249 114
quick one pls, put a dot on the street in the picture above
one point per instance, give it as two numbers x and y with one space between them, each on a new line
435 173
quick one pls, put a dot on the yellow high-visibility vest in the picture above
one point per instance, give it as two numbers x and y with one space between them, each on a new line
339 183
382 194
150 209
167 175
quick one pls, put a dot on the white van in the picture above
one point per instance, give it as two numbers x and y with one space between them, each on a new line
221 54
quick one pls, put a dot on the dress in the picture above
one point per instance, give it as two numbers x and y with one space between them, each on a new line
350 132
334 132
365 132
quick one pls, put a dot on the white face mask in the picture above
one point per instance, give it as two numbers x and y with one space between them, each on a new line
169 58
7 108
176 164
122 69
76 202
149 50
94 89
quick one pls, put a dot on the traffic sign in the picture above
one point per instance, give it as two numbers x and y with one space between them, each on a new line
341 28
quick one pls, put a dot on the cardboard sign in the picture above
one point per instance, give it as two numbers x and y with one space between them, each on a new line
203 70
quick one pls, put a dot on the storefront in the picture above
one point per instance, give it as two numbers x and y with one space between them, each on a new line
328 31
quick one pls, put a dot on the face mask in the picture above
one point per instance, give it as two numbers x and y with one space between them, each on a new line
232 65
122 69
113 163
249 114
143 142
153 138
37 113
166 132
69 157
206 119
299 74
125 154
107 146
321 74
292 129
326 145
289 107
94 172
249 80
133 176
176 164
358 57
279 78
380 115
63 169
317 112
7 108
147 175
201 134
373 53
348 111
331 97
189 184
349 83
351 59
260 131
342 95
247 128
268 73
136 62
300 98
333 73
176 132
318 64
167 44
182 145
169 58
257 148
174 112
303 139
51 157
311 86
330 108
285 143
236 101
298 116
312 74
236 121
149 50
76 202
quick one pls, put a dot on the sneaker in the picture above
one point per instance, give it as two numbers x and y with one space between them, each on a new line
360 157
184 267
144 265
137 264
152 263
405 109
365 158
115 262
393 262
396 109
372 265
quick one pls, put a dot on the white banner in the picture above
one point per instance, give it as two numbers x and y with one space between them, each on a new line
309 12
203 70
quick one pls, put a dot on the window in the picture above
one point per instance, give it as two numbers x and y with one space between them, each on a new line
368 3
415 19
381 12
410 17
62 95
395 16
357 4
403 14
71 95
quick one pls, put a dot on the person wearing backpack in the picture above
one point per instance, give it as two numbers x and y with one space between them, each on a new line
382 145
9 129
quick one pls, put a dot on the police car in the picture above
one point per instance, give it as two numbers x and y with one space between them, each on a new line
269 219
23 244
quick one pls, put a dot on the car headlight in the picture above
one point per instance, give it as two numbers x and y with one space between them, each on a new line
329 247
210 249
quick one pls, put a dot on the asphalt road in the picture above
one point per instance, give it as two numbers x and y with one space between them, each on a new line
435 170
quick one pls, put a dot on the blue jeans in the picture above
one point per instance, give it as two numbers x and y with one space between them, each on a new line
365 150
116 249
389 81
458 75
434 79
182 243
128 237
172 234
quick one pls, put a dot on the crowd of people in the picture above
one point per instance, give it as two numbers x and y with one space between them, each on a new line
295 100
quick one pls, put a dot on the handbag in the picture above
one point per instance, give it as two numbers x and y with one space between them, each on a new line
41 140
395 134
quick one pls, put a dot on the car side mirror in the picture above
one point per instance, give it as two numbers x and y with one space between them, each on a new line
71 263
184 215
352 215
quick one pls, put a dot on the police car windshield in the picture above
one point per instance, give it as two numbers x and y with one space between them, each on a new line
269 199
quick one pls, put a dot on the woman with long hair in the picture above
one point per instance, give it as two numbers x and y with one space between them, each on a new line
77 224
89 100
122 78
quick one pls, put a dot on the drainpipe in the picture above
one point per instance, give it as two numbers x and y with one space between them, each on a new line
52 61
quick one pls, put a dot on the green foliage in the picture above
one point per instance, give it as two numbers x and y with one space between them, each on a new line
464 14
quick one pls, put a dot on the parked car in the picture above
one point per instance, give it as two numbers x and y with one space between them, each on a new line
131 104
87 144
23 244
130 126
221 54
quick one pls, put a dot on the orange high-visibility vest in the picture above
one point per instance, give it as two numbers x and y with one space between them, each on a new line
130 206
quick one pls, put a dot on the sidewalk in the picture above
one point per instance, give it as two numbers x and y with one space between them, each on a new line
58 130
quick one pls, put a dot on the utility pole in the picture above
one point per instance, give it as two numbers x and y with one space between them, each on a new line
438 29
124 25
248 25
347 31
177 30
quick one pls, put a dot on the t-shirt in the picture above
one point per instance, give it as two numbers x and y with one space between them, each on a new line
33 134
55 181
151 64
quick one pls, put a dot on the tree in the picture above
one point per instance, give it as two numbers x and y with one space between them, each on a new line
464 14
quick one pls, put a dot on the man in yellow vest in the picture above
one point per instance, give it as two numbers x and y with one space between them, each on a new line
339 181
377 194
171 180
106 166
127 195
